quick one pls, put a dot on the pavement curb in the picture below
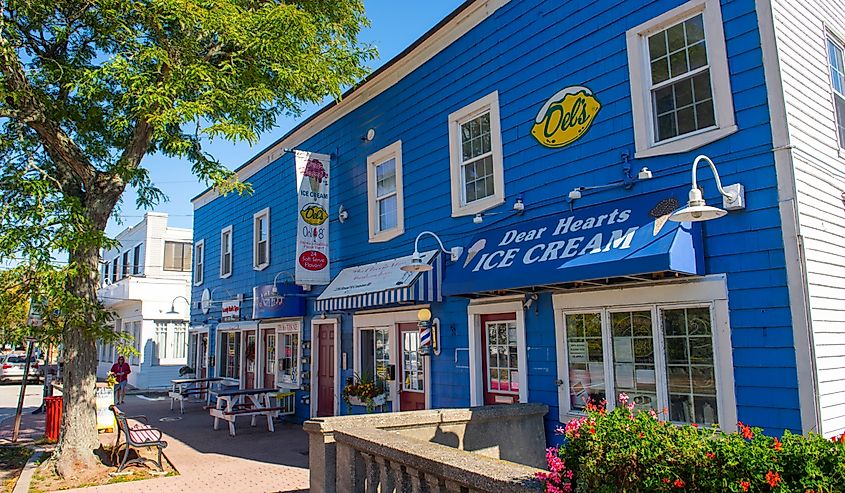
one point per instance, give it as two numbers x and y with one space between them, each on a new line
24 480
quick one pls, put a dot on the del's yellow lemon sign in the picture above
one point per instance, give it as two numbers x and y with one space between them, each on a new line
565 117
313 214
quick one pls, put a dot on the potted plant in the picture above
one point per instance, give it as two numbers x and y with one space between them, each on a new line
363 390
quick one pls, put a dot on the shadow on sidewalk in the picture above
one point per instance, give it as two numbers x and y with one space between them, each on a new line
288 445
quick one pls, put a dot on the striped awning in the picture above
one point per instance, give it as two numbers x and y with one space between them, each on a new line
383 284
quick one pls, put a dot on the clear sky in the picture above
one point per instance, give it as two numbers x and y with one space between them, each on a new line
394 26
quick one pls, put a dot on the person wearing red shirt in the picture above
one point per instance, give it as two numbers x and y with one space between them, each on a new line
121 371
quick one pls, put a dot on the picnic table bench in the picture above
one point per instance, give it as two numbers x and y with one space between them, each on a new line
136 436
183 389
253 403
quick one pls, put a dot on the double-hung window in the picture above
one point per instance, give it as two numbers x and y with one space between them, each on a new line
375 353
475 150
136 260
261 239
835 52
105 273
199 262
177 256
226 252
114 270
126 266
171 338
680 87
386 203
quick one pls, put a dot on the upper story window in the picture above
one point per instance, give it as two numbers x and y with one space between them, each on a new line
680 86
475 150
114 271
385 198
199 262
105 273
136 259
261 240
126 266
177 256
835 52
226 252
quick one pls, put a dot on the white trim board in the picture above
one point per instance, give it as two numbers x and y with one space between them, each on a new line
453 30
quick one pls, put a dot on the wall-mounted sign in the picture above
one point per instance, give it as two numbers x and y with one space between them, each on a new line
312 225
286 301
565 117
231 311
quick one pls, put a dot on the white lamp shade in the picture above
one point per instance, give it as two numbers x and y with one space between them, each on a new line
416 264
693 213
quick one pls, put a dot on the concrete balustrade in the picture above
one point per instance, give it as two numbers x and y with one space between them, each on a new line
492 448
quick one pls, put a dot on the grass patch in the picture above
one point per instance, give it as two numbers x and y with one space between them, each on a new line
12 460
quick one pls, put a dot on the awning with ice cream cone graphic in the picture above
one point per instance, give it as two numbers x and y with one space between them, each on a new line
626 239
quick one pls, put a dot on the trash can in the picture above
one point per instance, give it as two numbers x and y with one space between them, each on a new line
53 418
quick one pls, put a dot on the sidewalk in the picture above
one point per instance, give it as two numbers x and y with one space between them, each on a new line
32 429
254 461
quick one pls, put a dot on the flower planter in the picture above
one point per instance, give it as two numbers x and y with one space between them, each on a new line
378 400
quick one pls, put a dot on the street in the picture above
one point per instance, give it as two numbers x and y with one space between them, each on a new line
9 399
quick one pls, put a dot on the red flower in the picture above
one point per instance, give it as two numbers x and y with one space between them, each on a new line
679 483
773 478
744 485
745 430
778 445
666 481
592 430
711 455
641 435
694 425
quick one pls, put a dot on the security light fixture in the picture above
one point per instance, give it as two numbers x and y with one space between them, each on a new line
424 315
519 205
697 209
342 214
478 218
575 194
645 174
417 265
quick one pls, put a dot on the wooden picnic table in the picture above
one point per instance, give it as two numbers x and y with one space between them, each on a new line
183 388
251 402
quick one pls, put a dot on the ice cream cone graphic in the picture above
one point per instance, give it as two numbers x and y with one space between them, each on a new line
662 211
315 183
474 249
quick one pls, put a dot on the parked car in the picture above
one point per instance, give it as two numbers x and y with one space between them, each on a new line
12 367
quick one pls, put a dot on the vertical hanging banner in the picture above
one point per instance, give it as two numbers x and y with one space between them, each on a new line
312 235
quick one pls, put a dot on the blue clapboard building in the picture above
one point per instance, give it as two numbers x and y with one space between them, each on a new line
522 176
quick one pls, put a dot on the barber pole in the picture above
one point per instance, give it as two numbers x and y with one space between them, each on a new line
425 336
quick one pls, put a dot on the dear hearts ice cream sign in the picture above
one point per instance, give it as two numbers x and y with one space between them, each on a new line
622 238
312 225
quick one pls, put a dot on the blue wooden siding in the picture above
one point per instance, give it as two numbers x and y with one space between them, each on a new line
527 51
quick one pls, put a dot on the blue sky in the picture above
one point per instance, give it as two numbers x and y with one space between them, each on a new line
394 26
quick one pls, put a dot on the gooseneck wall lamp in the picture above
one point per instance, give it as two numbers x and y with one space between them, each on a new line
173 305
417 264
733 198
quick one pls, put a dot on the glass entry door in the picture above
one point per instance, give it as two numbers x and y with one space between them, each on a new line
411 369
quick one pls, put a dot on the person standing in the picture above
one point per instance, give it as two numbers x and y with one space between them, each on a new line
121 371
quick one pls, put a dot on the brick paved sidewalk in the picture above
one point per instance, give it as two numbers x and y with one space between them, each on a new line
32 429
254 461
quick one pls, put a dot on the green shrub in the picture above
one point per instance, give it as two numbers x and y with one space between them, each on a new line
621 450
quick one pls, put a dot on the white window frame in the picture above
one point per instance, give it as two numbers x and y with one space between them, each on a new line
831 37
199 262
167 356
640 80
262 214
393 151
709 291
231 243
280 330
489 103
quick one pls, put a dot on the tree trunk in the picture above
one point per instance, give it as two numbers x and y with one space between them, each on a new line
79 421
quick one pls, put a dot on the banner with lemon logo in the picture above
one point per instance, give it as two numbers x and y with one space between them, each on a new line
565 117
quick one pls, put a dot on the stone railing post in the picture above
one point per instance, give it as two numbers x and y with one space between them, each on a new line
350 470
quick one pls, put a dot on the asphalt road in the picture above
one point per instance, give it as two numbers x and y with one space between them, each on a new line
9 399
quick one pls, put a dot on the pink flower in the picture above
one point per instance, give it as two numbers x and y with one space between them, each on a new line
623 398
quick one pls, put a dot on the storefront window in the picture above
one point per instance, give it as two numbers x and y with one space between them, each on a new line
502 367
171 339
633 357
270 355
288 367
375 353
192 350
690 368
586 359
412 366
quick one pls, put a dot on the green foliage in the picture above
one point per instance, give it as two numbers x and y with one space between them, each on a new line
625 451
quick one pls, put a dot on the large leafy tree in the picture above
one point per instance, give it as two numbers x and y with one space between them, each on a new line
88 88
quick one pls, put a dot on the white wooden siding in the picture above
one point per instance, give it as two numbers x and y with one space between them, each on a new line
800 29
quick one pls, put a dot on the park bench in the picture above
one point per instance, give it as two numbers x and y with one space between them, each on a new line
136 436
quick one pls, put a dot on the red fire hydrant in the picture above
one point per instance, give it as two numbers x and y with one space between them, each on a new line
53 418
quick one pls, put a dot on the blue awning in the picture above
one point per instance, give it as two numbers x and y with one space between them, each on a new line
620 239
383 283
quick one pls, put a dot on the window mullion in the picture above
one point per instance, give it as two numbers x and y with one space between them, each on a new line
475 159
609 376
684 76
662 379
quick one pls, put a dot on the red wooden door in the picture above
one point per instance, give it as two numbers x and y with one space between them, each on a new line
411 369
270 358
325 370
499 358
249 374
202 355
